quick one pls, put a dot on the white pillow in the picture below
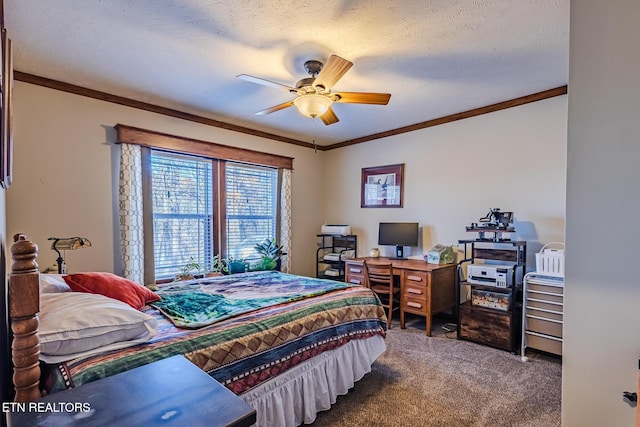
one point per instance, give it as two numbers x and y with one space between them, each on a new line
53 283
75 324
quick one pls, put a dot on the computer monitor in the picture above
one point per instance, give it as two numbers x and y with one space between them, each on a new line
398 234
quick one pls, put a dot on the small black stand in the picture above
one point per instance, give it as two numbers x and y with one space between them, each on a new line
399 252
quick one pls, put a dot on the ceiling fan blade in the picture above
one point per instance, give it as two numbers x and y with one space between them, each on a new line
329 117
275 108
362 98
264 82
332 71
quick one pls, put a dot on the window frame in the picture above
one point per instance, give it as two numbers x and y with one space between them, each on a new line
219 209
213 195
223 203
219 206
218 154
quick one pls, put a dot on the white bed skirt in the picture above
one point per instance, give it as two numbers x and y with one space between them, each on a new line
300 393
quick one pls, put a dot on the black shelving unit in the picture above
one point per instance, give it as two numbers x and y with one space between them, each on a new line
478 319
341 246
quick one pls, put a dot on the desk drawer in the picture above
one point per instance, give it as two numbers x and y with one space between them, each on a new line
354 274
415 305
415 292
416 278
415 297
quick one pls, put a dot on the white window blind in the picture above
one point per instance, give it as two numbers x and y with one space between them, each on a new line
182 211
251 198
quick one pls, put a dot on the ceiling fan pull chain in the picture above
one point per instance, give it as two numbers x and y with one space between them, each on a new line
315 149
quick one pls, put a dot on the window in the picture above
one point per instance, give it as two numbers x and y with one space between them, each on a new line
184 192
182 211
251 199
207 232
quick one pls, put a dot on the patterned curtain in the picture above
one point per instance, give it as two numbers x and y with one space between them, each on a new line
131 223
285 219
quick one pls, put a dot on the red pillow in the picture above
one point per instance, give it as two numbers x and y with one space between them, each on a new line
111 286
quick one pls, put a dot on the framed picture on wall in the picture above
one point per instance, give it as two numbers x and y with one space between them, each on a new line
382 186
6 114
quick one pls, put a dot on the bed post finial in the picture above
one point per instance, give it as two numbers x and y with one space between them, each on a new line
24 304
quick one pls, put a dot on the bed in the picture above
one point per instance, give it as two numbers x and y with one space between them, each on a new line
287 345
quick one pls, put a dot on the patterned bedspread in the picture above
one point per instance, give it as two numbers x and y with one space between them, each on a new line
248 349
197 303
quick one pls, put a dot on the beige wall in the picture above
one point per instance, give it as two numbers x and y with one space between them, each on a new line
512 159
603 231
65 173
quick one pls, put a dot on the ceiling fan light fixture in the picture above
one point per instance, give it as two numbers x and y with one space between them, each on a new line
312 105
314 93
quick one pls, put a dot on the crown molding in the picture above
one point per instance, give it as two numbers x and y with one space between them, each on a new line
103 96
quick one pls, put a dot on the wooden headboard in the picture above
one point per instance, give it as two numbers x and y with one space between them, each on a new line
24 305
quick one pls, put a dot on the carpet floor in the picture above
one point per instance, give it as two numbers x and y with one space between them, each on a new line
441 381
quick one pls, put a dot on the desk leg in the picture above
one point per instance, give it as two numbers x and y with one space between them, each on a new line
429 306
401 317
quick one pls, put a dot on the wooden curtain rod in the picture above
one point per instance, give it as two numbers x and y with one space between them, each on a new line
153 139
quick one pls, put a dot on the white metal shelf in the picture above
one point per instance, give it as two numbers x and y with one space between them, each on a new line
542 313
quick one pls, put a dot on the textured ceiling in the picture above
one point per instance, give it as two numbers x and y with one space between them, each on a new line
436 57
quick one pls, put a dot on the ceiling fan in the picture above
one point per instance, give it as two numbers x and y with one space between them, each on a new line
314 93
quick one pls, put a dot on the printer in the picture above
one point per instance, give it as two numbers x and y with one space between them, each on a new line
498 275
338 229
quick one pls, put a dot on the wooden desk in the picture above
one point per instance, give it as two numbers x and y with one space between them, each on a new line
170 392
425 289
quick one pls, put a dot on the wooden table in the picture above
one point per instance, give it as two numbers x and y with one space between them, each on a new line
170 392
425 289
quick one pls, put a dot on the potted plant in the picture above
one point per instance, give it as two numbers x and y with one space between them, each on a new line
271 254
234 265
265 263
190 270
218 267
